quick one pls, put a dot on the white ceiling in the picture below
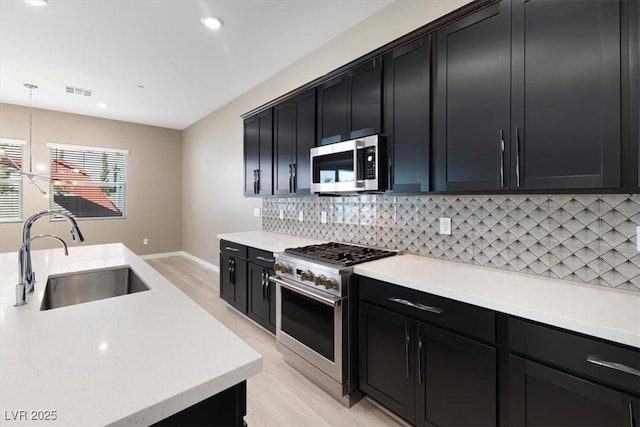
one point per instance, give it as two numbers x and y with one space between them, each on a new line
188 71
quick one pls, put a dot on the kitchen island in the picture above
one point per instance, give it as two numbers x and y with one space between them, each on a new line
134 359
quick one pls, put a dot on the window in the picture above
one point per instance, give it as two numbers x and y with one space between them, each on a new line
88 182
10 180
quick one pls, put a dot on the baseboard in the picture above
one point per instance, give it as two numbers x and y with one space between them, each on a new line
186 255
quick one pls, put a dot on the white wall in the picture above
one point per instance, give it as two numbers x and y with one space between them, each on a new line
212 148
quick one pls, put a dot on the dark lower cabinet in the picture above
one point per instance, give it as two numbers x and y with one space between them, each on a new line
425 374
261 306
233 274
543 396
456 380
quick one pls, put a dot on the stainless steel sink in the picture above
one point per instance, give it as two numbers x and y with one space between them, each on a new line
85 286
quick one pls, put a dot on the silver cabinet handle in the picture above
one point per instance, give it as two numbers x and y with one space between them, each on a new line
261 258
612 365
501 158
407 341
419 355
229 248
630 415
517 157
430 309
294 179
263 283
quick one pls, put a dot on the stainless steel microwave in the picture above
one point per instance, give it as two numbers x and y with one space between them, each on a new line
349 166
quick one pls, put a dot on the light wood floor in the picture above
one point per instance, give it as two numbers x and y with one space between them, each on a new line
279 395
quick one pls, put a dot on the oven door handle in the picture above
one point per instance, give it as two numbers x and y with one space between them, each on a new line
301 290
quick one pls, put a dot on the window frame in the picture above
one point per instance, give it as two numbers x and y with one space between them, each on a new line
21 143
52 146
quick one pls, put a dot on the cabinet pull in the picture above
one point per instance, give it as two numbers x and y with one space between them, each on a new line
517 157
407 341
262 283
232 271
267 284
612 365
290 178
294 182
630 415
501 159
261 258
430 309
257 181
419 355
229 248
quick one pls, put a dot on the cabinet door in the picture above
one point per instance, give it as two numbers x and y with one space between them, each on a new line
257 300
566 94
332 113
406 124
387 359
227 291
364 109
542 396
270 294
472 102
305 140
456 380
233 281
284 128
258 152
251 154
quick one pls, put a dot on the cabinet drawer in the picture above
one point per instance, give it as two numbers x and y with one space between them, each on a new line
262 258
588 357
234 249
463 318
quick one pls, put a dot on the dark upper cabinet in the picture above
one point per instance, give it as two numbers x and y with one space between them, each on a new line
529 98
332 110
472 102
258 154
407 100
350 105
364 98
294 136
566 94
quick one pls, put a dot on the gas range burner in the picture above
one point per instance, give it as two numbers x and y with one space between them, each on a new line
341 254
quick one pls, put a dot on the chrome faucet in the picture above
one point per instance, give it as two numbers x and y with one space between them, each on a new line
27 276
21 292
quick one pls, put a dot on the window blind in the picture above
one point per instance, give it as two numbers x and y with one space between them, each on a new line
88 182
10 180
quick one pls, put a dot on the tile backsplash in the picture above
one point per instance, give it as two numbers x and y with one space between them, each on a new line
582 238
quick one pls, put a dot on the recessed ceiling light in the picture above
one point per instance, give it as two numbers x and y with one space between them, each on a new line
211 22
37 2
102 105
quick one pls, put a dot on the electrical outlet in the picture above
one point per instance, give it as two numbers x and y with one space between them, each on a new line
638 237
145 241
300 216
256 212
323 217
281 214
445 225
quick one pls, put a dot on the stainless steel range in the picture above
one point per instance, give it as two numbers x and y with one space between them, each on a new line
314 320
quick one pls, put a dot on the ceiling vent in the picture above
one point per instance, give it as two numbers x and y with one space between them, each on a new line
79 91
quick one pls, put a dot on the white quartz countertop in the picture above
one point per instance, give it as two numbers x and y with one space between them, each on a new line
129 360
602 312
268 241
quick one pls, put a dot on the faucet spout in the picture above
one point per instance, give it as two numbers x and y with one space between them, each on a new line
26 272
21 297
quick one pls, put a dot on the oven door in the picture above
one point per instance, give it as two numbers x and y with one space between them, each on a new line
310 325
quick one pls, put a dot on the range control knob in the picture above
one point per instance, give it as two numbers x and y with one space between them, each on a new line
306 275
330 283
320 279
281 267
